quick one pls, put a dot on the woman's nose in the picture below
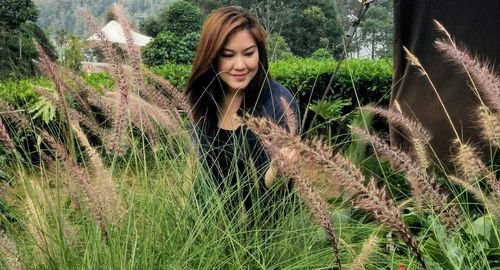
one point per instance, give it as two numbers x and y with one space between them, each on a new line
239 63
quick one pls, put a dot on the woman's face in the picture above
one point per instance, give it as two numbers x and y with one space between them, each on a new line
239 60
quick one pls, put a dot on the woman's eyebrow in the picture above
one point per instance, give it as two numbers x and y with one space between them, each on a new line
232 51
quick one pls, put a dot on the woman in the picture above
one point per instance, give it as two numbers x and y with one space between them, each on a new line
229 79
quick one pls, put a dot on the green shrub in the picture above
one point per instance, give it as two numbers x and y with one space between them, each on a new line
277 48
21 92
322 54
176 74
101 81
168 47
181 18
358 82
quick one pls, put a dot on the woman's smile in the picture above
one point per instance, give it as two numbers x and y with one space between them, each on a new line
239 60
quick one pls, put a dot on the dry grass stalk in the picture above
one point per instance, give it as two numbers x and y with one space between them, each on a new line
482 74
413 60
176 96
79 100
419 136
286 160
370 198
18 118
48 67
290 118
9 252
37 223
468 162
5 137
490 125
103 186
81 179
424 190
155 97
133 51
443 30
369 248
118 139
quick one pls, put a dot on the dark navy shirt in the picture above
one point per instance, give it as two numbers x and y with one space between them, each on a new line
236 159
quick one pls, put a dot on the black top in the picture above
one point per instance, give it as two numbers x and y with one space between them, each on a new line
236 159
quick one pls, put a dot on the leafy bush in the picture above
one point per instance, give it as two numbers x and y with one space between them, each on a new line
168 47
322 54
21 92
73 54
358 82
176 74
181 18
277 48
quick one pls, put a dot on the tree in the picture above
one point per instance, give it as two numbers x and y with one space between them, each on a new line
17 12
181 18
168 47
150 26
17 31
312 24
376 29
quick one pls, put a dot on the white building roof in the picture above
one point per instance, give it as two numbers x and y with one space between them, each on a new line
114 33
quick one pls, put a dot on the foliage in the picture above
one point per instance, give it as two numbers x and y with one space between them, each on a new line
322 54
17 31
175 74
73 54
313 25
101 81
168 47
181 18
21 91
277 48
56 15
150 26
17 12
305 25
376 29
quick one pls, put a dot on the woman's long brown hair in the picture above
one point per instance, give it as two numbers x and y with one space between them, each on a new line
204 90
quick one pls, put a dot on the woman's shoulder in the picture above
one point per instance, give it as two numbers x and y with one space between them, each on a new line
276 93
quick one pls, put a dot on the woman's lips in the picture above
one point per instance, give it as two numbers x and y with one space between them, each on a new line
239 77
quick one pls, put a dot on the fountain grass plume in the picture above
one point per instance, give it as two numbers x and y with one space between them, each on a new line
424 190
81 179
133 52
290 119
118 139
370 198
413 60
482 74
468 162
176 96
103 185
418 135
490 125
18 117
287 160
48 67
5 137
370 247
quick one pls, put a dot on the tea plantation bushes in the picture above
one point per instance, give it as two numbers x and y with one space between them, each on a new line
358 82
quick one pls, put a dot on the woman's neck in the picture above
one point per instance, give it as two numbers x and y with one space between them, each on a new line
228 110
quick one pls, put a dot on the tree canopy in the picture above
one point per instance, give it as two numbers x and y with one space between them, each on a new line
17 31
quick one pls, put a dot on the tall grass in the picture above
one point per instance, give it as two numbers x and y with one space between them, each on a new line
125 192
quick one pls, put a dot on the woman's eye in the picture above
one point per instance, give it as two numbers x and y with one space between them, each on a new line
227 55
249 53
